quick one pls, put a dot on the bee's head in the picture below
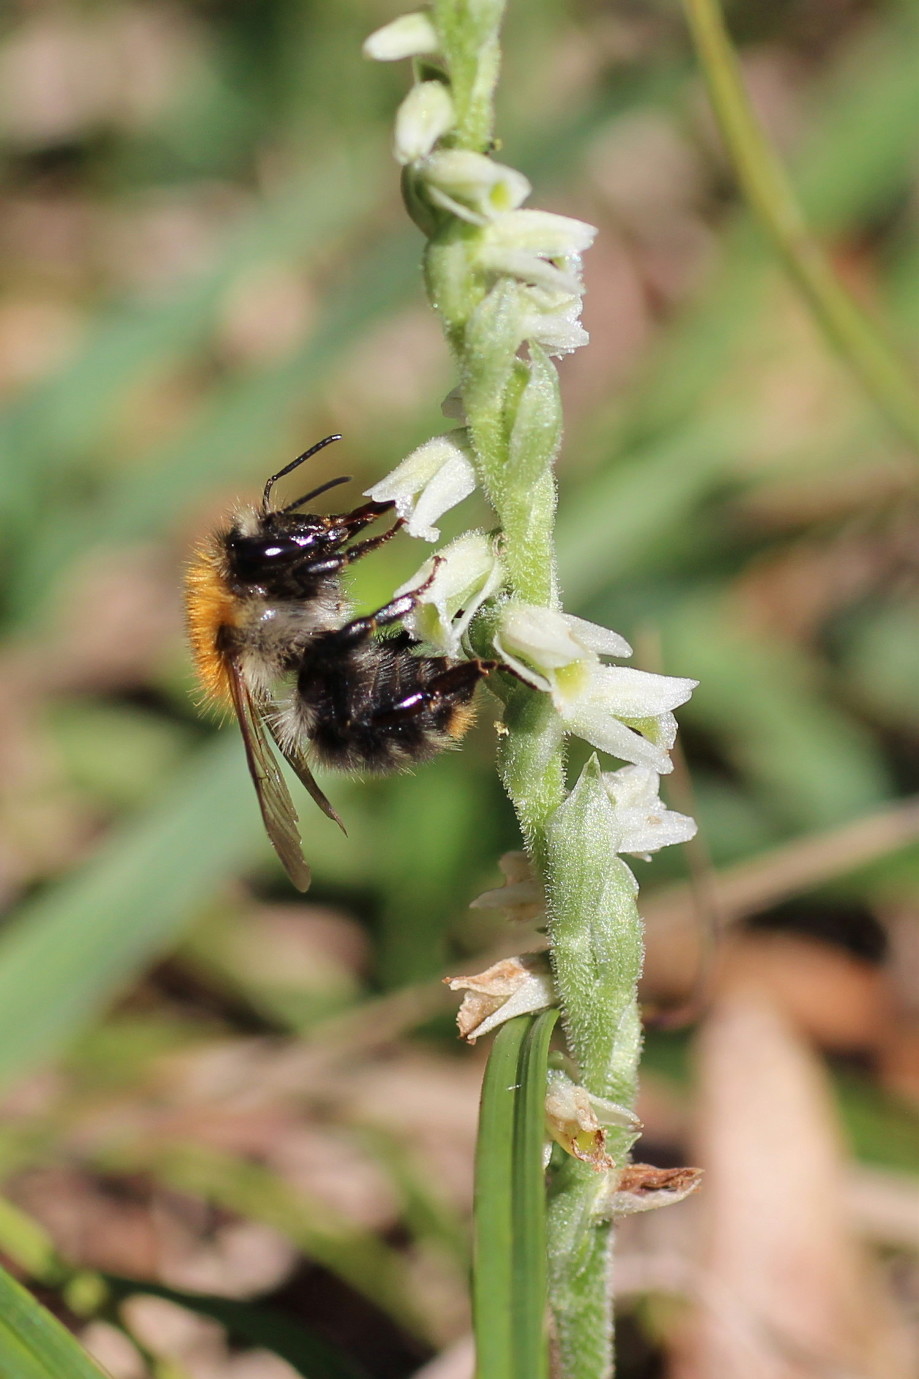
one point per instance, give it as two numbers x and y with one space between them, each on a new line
261 545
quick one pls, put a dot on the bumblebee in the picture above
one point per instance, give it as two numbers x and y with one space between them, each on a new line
265 605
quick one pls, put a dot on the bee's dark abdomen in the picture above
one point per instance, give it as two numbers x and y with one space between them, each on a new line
376 706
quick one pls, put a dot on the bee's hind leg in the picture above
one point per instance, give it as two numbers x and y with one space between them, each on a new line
448 692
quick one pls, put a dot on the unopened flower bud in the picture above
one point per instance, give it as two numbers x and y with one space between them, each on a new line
411 35
424 116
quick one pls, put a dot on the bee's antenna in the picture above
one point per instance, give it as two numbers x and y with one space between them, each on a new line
307 454
323 488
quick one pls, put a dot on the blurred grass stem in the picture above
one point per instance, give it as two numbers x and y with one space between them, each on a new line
767 188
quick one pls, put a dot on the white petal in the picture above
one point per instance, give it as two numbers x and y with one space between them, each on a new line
614 1113
552 319
418 468
450 203
411 35
633 787
596 638
540 232
632 693
543 301
601 729
424 116
541 635
526 673
468 572
645 823
528 267
557 334
453 482
642 838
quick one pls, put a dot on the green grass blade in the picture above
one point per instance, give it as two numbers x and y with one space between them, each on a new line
33 1344
529 1202
492 1287
509 1277
68 952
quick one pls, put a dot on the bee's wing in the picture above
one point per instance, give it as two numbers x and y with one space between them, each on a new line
296 760
274 800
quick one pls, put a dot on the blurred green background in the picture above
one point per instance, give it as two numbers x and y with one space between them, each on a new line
205 268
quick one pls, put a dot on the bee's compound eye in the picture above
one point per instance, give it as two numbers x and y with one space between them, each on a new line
253 558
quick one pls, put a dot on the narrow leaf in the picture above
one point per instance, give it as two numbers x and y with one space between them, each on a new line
33 1343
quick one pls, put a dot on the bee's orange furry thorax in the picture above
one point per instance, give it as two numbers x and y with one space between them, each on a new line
209 606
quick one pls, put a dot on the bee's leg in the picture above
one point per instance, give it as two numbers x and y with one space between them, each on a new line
362 548
343 525
331 564
361 628
361 517
453 686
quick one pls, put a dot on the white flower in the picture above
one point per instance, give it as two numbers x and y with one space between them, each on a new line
625 712
424 116
472 186
411 35
552 319
552 640
537 247
428 482
542 252
467 572
645 824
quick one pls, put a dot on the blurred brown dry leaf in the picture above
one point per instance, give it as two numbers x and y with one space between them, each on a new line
785 1290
